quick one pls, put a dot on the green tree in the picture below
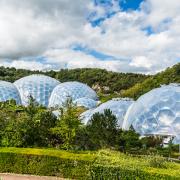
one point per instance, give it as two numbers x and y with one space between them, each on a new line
152 141
102 129
37 125
10 124
67 125
128 140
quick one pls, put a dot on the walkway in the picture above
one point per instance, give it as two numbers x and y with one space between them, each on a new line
7 176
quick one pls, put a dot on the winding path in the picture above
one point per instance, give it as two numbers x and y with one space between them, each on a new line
8 176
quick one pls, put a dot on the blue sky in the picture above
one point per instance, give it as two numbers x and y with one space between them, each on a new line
130 4
118 35
124 5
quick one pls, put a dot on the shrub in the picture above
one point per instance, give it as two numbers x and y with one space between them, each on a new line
102 129
102 165
157 161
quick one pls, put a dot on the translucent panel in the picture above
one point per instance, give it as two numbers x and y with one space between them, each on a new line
86 102
156 112
8 92
176 140
56 113
176 125
73 90
117 106
37 86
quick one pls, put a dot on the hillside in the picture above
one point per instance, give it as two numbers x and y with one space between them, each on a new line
108 84
170 75
101 80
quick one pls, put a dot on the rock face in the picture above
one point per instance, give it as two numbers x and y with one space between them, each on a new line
98 88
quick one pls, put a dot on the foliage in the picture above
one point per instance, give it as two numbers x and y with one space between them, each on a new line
25 126
102 129
100 132
67 125
105 82
128 140
152 141
170 75
93 77
104 164
157 161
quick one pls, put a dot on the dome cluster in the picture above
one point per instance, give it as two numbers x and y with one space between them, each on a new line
154 113
48 92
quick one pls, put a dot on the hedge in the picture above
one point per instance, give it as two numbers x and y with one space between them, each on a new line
71 165
117 173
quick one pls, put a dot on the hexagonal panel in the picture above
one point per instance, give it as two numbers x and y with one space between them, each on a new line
160 109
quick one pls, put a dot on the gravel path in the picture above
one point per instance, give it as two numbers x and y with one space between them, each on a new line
7 176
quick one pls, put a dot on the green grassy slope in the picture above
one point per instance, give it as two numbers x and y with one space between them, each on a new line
170 75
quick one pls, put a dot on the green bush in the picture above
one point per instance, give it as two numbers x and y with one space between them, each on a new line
157 161
116 173
82 165
43 165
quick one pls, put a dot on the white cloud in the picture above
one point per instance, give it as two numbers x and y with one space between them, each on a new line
160 11
141 61
75 59
50 28
30 27
33 65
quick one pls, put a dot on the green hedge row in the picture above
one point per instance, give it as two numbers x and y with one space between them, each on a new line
69 168
43 165
117 173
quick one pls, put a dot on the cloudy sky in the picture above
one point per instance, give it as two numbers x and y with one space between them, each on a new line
141 36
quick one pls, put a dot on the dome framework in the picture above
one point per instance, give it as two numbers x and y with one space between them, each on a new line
9 92
70 90
156 112
117 106
39 87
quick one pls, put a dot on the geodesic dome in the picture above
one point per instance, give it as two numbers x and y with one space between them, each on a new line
86 102
8 92
156 112
117 106
37 86
176 140
73 90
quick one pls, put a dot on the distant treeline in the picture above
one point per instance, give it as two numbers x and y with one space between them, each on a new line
106 82
170 75
93 77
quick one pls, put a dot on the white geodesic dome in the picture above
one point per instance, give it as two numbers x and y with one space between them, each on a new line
39 87
156 112
117 106
176 140
9 92
72 90
86 102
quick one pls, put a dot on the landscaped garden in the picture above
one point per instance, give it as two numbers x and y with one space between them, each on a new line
34 141
102 164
